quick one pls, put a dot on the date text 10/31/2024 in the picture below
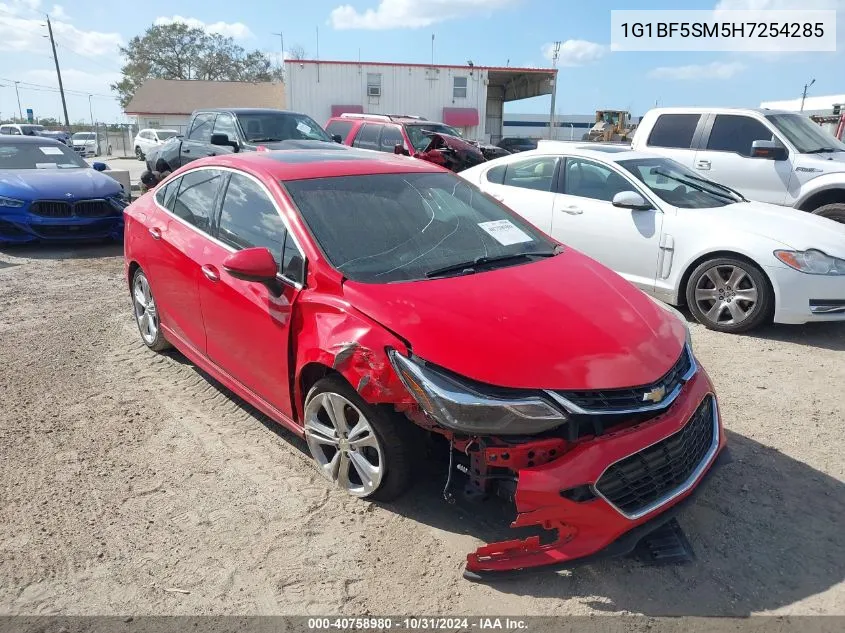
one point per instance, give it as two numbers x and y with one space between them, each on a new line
418 623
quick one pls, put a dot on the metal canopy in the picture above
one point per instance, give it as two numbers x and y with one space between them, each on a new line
521 83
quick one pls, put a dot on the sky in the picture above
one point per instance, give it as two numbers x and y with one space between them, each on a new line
89 34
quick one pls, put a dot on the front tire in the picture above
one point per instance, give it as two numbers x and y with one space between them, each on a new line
365 450
139 154
835 211
146 313
727 294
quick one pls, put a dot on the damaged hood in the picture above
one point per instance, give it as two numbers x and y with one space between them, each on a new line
453 143
565 322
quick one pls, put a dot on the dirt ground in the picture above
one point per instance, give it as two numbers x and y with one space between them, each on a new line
130 483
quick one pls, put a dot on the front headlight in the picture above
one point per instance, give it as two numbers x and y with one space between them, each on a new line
463 407
812 262
11 203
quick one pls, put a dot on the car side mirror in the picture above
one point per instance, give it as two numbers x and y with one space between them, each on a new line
631 200
99 166
337 138
399 148
223 140
769 150
252 264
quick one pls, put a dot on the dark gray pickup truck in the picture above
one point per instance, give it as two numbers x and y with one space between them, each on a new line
227 130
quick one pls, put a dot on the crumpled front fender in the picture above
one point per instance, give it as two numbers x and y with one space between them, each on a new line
338 337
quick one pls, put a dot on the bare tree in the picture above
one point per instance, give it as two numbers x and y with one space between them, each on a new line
297 51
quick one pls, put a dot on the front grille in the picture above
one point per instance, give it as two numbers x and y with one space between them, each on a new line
93 209
638 483
97 208
51 209
634 398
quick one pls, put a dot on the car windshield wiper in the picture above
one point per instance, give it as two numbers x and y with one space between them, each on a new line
265 140
823 150
719 185
734 196
470 265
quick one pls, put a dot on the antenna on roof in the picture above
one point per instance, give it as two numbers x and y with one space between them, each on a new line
432 49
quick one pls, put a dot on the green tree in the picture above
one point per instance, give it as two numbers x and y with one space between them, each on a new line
48 121
177 51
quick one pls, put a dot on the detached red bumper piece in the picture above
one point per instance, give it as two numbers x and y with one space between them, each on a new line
606 493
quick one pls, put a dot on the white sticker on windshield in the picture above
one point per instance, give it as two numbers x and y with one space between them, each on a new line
505 232
51 151
46 166
302 127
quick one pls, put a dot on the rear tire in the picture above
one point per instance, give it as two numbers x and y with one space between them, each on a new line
146 313
835 211
348 436
728 294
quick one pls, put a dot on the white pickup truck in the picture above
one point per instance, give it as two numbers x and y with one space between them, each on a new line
768 155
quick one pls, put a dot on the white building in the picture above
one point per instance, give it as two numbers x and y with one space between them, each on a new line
568 127
470 98
812 105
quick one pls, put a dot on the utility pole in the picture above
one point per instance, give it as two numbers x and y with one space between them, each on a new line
20 111
58 72
282 58
555 55
91 111
804 96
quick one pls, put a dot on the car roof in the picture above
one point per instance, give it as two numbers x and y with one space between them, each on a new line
697 110
298 164
601 151
393 118
40 140
237 111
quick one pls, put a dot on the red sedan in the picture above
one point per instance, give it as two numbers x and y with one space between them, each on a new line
366 300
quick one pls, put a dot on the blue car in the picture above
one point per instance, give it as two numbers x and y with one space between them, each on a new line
47 192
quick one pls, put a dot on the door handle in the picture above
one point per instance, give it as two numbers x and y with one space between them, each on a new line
186 151
702 164
155 232
210 272
572 210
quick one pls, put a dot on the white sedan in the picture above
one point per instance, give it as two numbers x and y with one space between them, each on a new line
150 138
679 237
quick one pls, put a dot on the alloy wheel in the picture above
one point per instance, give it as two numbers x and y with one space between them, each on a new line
726 295
145 309
343 444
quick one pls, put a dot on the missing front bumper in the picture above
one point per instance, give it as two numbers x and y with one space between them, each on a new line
509 555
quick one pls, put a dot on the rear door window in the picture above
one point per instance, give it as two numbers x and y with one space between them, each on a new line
674 131
194 202
166 194
367 137
533 173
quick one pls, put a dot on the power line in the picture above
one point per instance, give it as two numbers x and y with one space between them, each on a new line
26 85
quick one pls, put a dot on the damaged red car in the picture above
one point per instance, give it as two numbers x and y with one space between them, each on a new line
365 301
409 135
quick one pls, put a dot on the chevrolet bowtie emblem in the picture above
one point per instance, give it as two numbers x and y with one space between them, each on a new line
655 395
